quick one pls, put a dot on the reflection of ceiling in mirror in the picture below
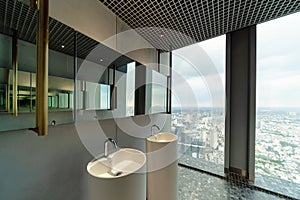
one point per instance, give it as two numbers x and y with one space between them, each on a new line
19 16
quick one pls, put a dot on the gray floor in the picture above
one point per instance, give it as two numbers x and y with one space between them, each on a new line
193 185
280 186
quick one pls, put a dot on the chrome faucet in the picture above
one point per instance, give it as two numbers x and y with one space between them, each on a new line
106 145
154 126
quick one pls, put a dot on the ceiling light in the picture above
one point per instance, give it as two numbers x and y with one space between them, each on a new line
62 46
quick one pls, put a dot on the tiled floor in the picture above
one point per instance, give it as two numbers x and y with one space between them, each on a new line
194 185
280 186
265 182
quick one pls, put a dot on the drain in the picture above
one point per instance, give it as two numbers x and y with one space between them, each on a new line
118 173
115 173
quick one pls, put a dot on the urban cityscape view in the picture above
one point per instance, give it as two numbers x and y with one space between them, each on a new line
201 135
200 132
278 143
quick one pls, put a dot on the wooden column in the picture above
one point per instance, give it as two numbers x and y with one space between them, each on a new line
15 72
33 3
8 91
42 68
31 106
75 78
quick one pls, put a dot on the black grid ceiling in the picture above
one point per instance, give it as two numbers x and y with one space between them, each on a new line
15 15
183 22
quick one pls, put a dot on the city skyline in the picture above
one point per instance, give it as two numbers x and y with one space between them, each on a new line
202 136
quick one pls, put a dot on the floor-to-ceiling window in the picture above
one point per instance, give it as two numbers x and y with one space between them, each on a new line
198 102
277 157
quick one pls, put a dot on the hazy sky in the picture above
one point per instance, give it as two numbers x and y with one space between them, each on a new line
278 68
278 62
198 77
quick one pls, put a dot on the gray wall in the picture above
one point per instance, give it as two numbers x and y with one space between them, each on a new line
8 122
51 167
54 167
80 15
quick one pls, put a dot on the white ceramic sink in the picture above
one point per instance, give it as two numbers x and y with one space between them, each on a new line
119 176
163 137
118 164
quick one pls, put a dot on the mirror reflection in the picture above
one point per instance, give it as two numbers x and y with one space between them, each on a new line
84 75
156 89
60 86
105 81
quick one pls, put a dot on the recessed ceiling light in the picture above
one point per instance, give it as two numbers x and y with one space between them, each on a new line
161 35
101 59
62 46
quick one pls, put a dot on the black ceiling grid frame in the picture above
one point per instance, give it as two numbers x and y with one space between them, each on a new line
15 15
179 23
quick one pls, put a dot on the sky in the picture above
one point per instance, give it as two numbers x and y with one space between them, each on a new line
278 62
278 68
198 74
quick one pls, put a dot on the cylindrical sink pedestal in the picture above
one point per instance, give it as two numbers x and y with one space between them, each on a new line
120 176
162 166
131 187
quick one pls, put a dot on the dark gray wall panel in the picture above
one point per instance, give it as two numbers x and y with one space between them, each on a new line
52 167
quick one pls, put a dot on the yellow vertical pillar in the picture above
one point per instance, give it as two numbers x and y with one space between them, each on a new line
8 91
15 72
42 68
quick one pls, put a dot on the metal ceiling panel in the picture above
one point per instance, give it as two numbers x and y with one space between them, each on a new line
167 24
177 23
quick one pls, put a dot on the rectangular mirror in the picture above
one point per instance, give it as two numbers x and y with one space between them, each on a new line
60 69
105 81
100 81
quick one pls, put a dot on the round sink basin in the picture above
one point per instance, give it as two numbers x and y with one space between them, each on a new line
163 137
118 176
118 164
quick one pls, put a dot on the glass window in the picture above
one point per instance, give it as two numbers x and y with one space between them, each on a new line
63 100
105 96
159 92
156 92
198 101
278 105
130 88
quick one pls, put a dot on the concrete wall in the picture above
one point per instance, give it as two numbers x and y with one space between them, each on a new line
54 167
130 43
51 167
89 17
93 19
